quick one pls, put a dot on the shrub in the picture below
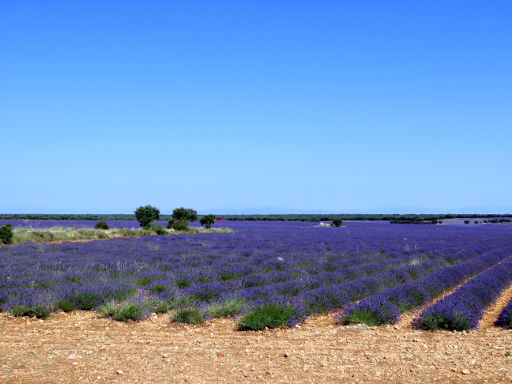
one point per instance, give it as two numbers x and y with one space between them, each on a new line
326 299
372 311
6 234
266 316
101 225
43 236
66 304
159 230
188 315
87 300
182 282
227 307
456 318
180 225
146 215
159 288
337 222
20 310
122 311
41 311
144 280
466 221
160 306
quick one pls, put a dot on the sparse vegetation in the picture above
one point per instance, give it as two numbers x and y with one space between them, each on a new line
228 307
266 316
123 311
159 230
180 225
57 234
41 311
188 315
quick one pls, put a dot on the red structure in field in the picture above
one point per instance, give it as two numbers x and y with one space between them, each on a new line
218 218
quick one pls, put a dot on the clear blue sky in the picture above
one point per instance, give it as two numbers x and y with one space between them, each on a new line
267 106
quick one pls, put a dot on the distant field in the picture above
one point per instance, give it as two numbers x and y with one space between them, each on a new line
293 265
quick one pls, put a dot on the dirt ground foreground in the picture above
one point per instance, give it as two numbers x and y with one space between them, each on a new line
81 347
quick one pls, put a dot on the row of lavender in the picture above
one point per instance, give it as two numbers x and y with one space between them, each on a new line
309 269
464 308
505 317
386 306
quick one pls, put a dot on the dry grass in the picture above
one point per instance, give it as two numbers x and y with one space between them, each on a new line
58 234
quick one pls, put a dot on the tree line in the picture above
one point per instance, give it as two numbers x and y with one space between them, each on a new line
263 217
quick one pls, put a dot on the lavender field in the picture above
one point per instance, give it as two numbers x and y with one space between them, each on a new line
371 271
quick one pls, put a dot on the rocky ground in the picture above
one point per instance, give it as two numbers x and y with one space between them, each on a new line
82 347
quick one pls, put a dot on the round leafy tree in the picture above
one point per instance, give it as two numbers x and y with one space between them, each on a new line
180 218
6 234
207 220
337 222
101 225
184 214
145 215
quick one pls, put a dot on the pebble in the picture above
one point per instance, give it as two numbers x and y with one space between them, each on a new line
119 372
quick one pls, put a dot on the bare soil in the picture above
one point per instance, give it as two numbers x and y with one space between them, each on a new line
81 347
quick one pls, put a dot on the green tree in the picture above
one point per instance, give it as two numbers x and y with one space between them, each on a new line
337 222
147 214
6 234
207 220
184 214
180 218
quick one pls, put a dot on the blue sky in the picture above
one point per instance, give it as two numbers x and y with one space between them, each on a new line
269 106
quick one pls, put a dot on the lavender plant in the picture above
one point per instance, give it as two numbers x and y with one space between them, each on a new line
505 317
